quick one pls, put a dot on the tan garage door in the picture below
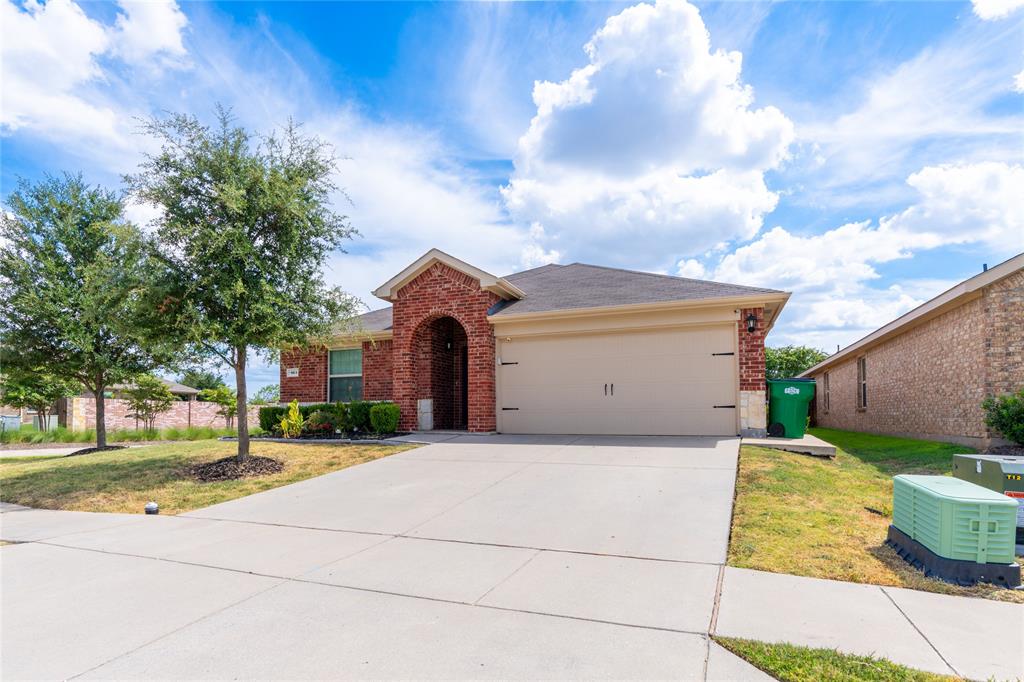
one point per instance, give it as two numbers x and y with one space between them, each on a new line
665 382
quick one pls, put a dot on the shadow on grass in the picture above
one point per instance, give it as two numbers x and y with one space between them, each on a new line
60 484
891 455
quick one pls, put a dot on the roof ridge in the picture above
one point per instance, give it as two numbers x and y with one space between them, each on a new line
539 267
678 278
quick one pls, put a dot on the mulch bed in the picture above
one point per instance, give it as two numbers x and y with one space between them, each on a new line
230 469
89 451
1006 451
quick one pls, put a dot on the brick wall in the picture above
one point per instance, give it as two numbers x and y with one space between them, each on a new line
311 384
183 413
441 291
753 413
377 368
929 381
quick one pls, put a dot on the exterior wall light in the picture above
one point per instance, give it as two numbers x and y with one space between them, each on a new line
751 323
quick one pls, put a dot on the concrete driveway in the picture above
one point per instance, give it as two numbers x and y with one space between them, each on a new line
475 557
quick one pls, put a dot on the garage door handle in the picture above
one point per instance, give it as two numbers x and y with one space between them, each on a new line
722 407
606 389
613 389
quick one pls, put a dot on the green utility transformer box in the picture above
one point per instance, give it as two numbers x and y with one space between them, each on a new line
788 400
1001 473
954 529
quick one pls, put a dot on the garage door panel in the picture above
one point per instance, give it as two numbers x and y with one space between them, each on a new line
665 382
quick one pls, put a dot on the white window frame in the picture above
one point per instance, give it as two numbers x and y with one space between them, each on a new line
343 376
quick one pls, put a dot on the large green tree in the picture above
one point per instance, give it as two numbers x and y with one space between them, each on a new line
147 399
201 379
786 362
245 229
72 274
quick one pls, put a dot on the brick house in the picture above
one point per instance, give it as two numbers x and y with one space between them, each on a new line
925 374
556 349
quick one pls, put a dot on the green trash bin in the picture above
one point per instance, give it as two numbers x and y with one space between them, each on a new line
787 406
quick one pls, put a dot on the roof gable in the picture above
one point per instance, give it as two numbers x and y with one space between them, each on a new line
498 285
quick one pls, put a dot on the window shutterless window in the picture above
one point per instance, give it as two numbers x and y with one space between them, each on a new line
862 383
345 375
826 396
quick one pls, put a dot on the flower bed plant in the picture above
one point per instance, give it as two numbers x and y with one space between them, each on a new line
357 420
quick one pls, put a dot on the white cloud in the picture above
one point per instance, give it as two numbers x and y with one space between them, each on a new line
653 141
691 268
831 273
147 28
995 9
1018 82
54 86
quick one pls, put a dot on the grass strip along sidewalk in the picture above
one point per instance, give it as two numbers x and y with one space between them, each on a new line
124 480
826 518
791 663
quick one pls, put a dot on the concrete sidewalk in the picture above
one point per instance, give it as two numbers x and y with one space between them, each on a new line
973 638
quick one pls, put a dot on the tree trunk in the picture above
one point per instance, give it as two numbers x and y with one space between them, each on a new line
101 417
241 407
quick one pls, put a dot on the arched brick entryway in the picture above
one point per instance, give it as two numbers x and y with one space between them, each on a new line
441 356
444 305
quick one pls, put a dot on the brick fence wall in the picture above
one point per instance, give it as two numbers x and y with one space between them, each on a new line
183 413
929 381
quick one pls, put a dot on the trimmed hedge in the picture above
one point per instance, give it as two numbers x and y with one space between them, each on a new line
384 417
354 416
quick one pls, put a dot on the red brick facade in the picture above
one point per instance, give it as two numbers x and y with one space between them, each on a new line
311 384
377 384
751 351
440 292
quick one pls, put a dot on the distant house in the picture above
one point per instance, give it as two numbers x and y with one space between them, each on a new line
926 373
180 391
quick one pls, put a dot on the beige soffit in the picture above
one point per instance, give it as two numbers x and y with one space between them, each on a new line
773 303
966 291
488 282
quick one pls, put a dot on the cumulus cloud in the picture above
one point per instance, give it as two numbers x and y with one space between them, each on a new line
831 272
1018 82
995 9
654 140
54 85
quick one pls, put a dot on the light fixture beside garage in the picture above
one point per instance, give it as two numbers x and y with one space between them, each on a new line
751 323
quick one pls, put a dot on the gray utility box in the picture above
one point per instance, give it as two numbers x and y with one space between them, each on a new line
1001 473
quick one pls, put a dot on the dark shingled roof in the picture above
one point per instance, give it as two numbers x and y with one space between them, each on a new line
570 287
375 320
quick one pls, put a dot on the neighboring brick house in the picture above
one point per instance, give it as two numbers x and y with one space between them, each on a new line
925 374
556 349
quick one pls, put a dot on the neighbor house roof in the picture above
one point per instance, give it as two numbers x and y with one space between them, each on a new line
966 291
172 386
577 287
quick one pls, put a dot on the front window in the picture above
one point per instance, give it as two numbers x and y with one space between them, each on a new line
862 383
345 375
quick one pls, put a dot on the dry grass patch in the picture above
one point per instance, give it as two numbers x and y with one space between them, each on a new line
124 480
828 518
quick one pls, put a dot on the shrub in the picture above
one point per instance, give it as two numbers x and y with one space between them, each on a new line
291 423
384 417
321 423
1005 414
270 417
359 415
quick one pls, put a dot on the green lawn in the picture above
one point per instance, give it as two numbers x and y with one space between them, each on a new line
124 480
828 518
791 663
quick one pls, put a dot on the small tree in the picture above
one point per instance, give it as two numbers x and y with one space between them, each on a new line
243 235
225 399
201 378
267 395
35 389
72 275
148 398
789 361
1005 414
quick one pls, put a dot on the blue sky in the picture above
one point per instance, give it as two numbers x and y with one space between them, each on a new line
865 156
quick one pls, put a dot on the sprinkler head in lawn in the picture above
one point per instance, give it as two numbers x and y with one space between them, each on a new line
152 508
